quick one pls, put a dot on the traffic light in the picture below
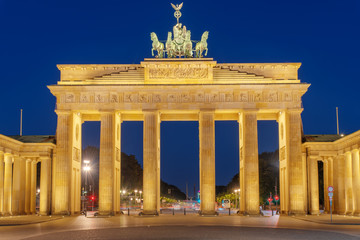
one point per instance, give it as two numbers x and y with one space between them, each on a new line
92 198
270 200
276 198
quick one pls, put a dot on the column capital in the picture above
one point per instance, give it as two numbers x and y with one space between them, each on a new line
356 150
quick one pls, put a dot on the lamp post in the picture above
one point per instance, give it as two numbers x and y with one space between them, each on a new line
236 198
140 197
86 169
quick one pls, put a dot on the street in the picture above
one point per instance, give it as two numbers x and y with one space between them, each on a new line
187 227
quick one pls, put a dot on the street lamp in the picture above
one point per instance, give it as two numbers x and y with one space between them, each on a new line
86 169
236 200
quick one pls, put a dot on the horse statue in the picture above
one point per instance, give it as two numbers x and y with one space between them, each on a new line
188 45
157 45
170 46
202 45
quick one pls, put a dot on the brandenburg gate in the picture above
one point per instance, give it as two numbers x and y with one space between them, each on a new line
185 86
178 89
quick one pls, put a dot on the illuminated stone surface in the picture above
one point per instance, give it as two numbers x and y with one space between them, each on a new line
159 90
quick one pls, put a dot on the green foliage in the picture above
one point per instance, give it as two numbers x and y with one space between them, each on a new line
167 200
268 177
222 196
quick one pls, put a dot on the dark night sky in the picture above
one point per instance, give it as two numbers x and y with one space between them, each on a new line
323 35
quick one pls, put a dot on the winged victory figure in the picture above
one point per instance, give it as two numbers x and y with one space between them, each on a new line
177 7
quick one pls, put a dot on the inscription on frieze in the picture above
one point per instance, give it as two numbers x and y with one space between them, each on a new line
178 73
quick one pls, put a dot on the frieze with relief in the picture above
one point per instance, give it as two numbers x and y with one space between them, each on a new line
182 97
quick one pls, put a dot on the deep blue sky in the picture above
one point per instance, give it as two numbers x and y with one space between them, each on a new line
323 35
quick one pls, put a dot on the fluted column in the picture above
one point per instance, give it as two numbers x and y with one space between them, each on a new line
339 190
22 186
356 181
207 162
107 161
27 186
151 163
296 178
62 165
33 187
314 186
117 166
16 186
1 183
249 163
348 184
45 183
7 183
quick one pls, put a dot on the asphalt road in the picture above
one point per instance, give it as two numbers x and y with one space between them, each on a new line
195 232
183 227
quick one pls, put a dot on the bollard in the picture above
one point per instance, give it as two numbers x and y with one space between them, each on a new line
184 211
128 211
272 212
229 212
173 211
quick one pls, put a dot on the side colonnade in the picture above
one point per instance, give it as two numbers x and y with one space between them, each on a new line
18 177
66 181
341 169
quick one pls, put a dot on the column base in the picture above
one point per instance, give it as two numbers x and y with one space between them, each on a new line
44 213
149 213
208 213
64 213
302 213
356 213
317 212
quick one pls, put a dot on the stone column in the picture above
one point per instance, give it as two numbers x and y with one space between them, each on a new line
33 187
45 183
117 167
151 163
62 165
22 186
207 162
296 180
16 186
107 161
1 182
339 190
356 181
326 185
249 163
28 186
348 184
314 186
7 183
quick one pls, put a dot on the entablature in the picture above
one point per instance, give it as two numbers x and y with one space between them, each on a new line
222 96
178 71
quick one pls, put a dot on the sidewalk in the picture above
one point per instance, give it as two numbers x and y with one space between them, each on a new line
336 219
27 219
